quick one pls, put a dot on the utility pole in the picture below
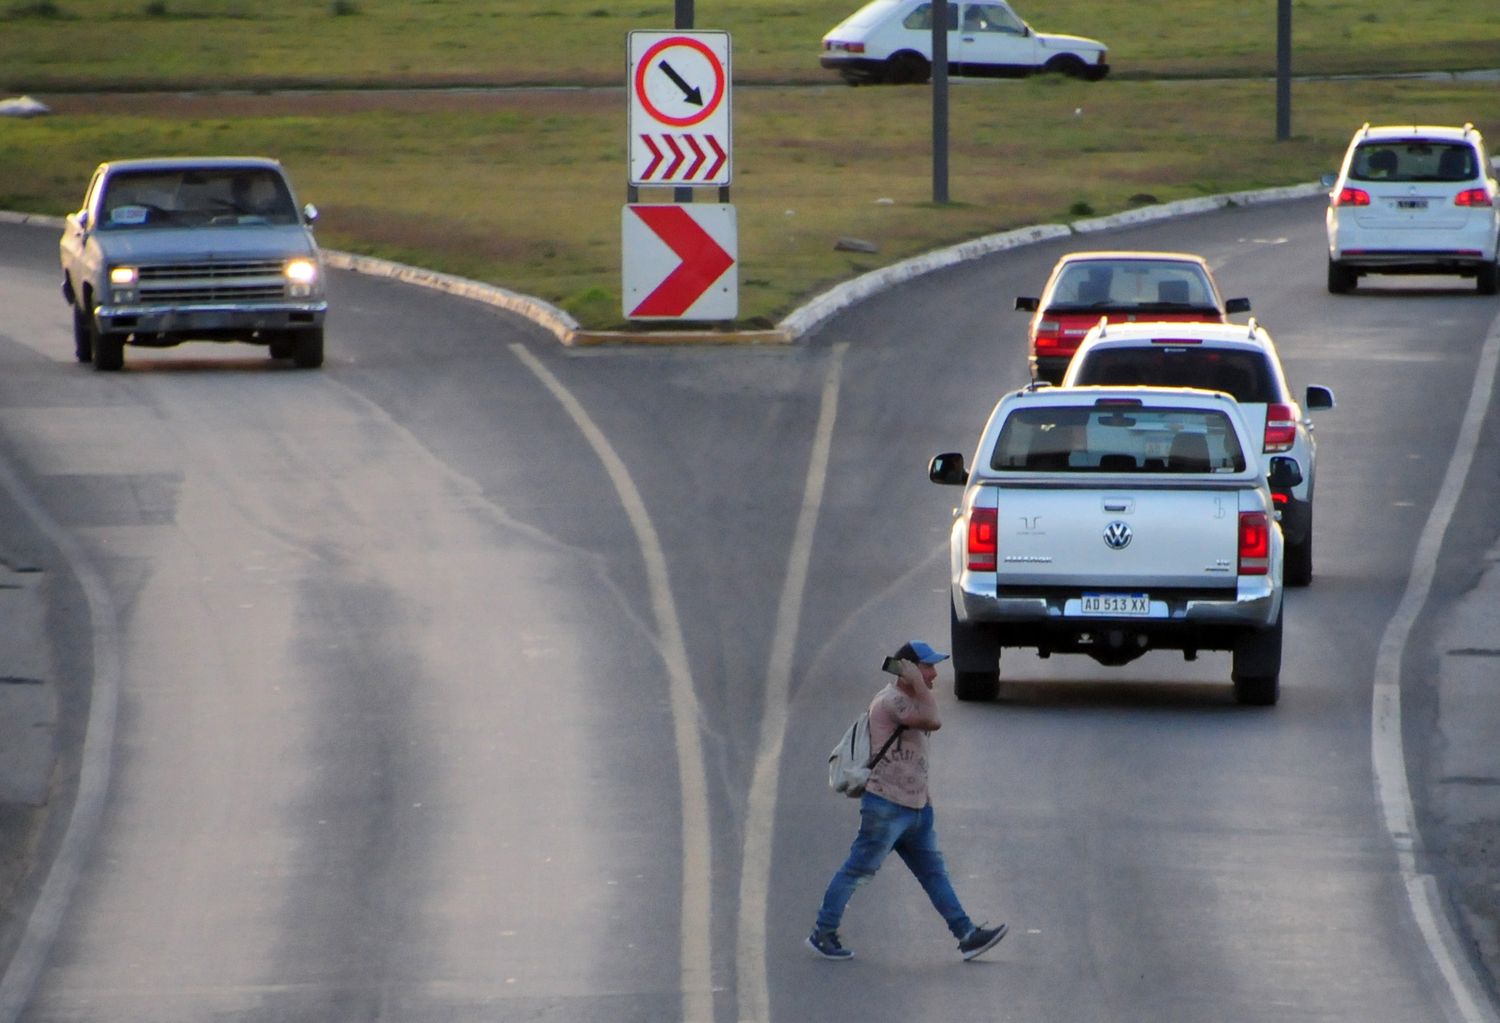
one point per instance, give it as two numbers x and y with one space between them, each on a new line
939 101
1283 70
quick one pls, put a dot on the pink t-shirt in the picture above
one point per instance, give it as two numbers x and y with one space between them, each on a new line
901 775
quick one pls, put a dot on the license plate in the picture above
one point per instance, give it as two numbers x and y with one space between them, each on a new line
1117 605
1411 204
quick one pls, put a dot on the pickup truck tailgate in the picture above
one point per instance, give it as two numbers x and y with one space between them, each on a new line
1109 538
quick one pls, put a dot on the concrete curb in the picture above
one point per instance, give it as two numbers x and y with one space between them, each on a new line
802 320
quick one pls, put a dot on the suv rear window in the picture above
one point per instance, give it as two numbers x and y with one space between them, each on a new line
1128 438
1242 374
1414 160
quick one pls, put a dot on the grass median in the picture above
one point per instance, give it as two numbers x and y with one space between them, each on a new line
524 188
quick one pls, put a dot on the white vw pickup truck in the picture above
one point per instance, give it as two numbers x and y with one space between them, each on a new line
1110 521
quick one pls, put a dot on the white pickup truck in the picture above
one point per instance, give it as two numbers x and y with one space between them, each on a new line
193 249
1110 521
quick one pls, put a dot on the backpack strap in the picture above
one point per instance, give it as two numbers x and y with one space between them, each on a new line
881 755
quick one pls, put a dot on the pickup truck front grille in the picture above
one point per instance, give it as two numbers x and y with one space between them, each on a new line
236 281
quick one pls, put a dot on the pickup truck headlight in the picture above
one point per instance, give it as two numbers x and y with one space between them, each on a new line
122 281
301 275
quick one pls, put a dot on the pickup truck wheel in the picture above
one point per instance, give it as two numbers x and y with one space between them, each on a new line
1257 667
1298 570
108 349
282 345
308 348
976 686
83 338
976 659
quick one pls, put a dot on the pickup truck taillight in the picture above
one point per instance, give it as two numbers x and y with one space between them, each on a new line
1281 428
983 523
1255 543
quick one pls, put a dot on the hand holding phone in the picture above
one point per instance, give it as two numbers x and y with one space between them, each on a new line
892 665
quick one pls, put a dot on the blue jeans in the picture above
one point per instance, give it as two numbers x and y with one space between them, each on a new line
883 826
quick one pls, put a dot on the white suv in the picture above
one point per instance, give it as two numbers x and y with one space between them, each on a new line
1241 361
1414 200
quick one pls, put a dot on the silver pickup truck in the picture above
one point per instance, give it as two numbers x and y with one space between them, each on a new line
1110 521
186 249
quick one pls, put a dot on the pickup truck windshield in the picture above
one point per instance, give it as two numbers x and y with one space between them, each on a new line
192 197
1081 439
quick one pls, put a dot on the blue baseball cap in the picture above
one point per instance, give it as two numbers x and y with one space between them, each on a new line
919 653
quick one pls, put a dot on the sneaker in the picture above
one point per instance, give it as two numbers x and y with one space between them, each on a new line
826 944
980 940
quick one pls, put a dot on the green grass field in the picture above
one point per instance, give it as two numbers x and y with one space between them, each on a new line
524 188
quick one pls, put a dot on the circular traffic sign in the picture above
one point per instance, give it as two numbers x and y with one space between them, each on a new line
671 73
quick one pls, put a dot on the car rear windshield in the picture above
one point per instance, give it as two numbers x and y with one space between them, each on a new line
193 197
1142 285
1123 438
1242 374
1414 160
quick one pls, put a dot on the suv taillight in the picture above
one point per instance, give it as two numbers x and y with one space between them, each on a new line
1472 197
1352 197
983 523
1255 543
1281 428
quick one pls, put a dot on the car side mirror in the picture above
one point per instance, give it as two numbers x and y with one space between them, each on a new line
948 469
1237 305
1285 473
1328 179
1318 397
1027 305
310 213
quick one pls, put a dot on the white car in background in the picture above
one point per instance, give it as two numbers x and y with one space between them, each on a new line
1414 199
1241 361
891 41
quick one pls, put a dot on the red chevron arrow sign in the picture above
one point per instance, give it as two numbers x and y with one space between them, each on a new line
679 262
682 159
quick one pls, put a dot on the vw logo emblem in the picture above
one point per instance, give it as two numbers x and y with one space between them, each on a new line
1118 535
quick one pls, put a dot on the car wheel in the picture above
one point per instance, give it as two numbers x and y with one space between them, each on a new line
1256 670
308 348
1341 279
108 349
907 69
83 338
1068 65
1298 567
1488 279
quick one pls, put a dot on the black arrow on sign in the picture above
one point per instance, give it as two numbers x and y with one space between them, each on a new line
692 95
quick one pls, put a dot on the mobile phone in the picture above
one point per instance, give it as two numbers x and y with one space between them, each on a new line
892 665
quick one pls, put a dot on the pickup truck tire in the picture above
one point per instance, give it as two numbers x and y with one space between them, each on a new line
1298 569
108 349
307 349
1256 671
976 660
83 338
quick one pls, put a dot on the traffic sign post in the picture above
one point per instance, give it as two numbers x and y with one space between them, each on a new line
679 123
680 261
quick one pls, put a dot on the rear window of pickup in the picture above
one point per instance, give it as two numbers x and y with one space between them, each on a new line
1118 439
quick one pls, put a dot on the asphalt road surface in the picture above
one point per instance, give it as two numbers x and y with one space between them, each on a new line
473 677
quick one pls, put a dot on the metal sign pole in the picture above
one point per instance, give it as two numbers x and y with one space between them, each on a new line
940 101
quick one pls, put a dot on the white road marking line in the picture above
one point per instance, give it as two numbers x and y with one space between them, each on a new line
1386 750
42 926
696 960
753 995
